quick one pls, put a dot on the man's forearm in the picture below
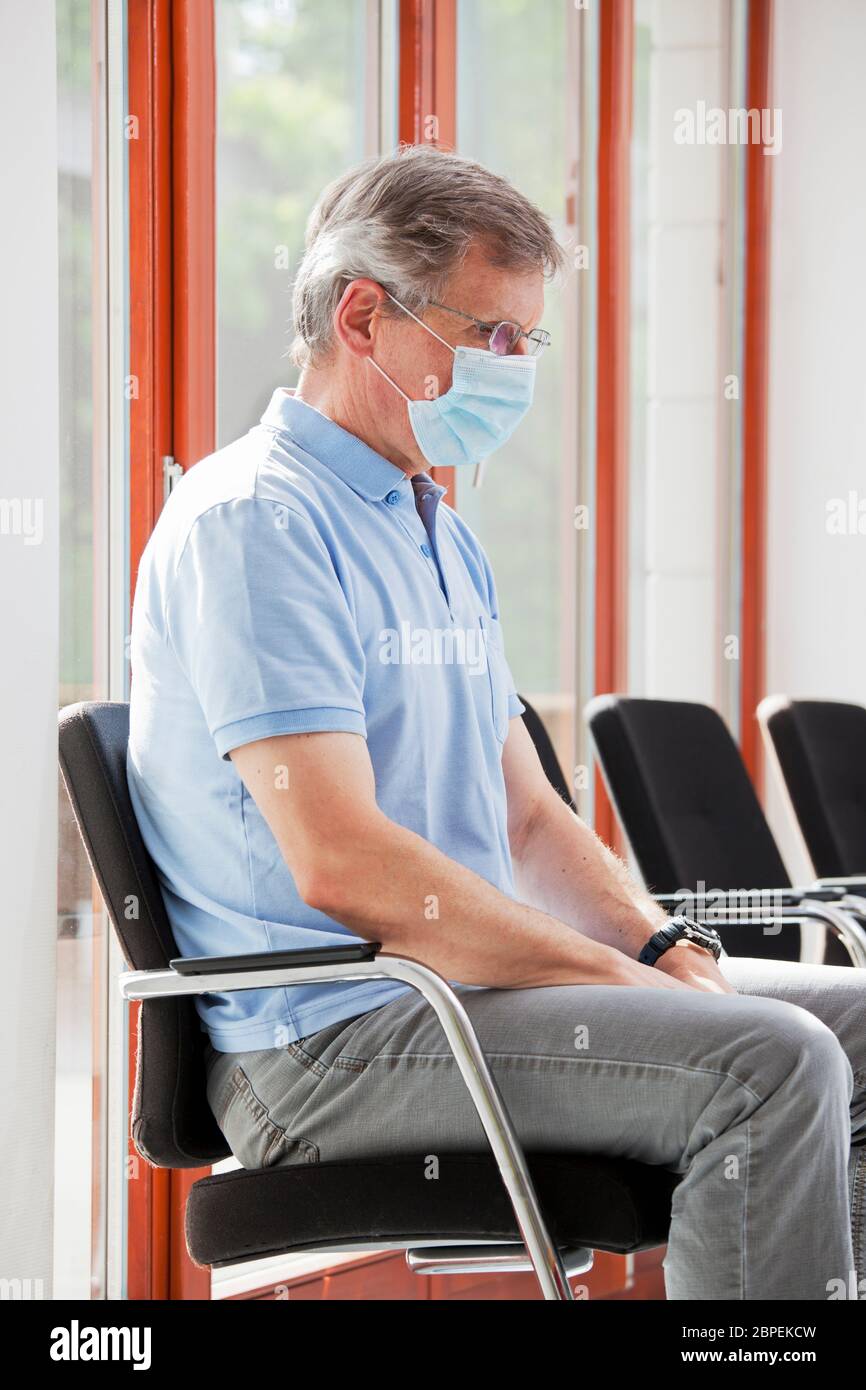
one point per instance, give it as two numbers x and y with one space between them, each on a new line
391 885
563 868
386 883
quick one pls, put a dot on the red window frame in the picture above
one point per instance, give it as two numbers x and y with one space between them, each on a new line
753 618
172 358
613 387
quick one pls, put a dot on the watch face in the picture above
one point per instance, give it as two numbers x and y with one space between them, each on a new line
702 936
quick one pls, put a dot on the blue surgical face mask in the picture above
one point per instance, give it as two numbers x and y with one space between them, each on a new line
486 401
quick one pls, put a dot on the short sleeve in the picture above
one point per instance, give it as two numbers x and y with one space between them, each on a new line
262 626
515 704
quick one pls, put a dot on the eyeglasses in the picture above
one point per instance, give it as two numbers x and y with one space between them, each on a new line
504 336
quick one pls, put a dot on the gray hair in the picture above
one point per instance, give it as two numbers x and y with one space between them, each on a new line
407 220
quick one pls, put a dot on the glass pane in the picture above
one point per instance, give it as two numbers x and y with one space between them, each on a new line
639 288
680 236
304 91
524 510
79 1232
297 104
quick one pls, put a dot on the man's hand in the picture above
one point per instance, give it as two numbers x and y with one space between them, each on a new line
694 966
634 973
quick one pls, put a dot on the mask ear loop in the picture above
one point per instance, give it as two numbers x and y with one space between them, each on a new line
422 323
383 373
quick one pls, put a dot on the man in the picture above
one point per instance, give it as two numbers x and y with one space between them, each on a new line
326 745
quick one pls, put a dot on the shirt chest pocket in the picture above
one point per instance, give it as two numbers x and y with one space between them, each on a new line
497 681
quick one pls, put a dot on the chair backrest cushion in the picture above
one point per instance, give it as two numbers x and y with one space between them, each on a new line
172 1123
546 751
687 806
684 796
821 748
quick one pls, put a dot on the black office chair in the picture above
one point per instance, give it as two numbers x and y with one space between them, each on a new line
691 816
819 748
546 752
545 1212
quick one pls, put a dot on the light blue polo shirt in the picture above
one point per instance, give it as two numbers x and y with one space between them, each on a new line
292 584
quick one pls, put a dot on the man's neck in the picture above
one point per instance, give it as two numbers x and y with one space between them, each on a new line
348 408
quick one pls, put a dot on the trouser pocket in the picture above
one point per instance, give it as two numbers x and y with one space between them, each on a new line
274 1105
253 1135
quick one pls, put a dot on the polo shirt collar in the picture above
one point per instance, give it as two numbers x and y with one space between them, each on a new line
353 461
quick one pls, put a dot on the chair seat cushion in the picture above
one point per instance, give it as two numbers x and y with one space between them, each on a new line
601 1203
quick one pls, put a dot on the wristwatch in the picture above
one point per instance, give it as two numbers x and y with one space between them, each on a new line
676 929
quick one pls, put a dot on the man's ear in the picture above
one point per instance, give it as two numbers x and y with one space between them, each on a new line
355 317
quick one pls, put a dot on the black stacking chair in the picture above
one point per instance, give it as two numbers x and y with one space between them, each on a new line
819 748
546 752
699 834
502 1210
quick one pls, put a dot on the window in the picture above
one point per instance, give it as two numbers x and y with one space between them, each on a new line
304 91
82 925
299 101
522 98
682 346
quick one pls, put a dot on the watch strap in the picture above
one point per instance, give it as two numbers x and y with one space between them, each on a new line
660 941
677 929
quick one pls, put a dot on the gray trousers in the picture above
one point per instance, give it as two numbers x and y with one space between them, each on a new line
758 1099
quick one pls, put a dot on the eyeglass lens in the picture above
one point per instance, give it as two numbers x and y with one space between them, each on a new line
504 338
507 335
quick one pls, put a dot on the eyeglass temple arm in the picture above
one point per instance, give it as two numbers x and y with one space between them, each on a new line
485 323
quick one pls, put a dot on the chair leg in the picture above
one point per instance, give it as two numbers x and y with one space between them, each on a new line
457 1026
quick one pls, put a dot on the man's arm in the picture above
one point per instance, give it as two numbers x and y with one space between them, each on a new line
317 793
563 868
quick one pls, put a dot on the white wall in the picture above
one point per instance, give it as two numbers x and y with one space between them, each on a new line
29 633
816 633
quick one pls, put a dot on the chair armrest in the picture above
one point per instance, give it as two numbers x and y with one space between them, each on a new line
856 881
293 960
755 900
841 914
824 892
742 913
